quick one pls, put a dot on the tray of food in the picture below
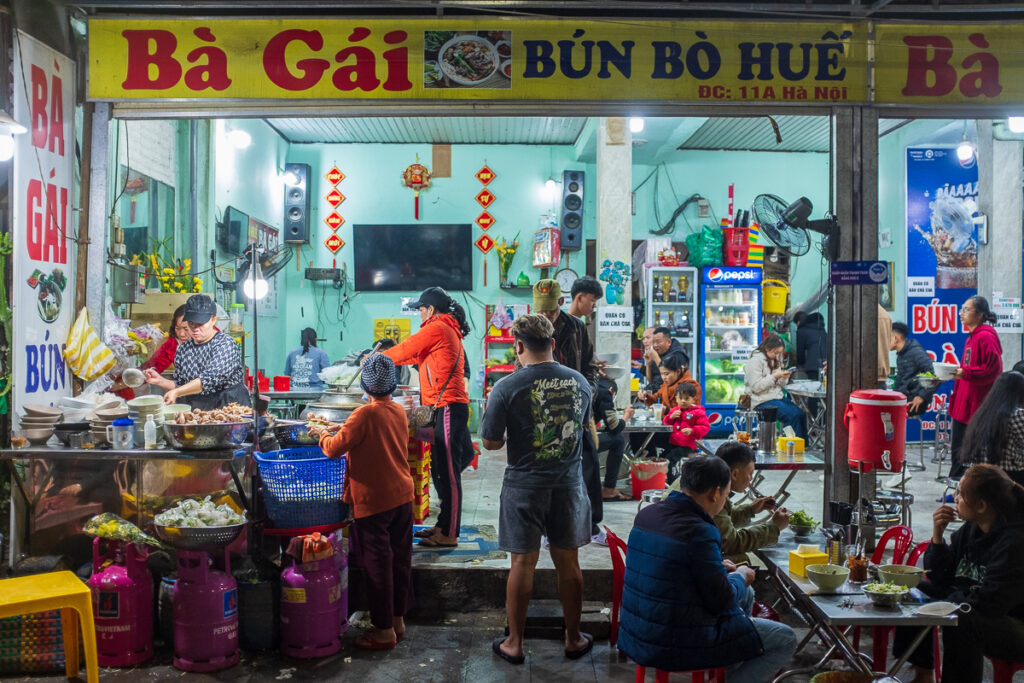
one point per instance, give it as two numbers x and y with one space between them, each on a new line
199 525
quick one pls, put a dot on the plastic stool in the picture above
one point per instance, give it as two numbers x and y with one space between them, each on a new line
697 676
62 591
1003 670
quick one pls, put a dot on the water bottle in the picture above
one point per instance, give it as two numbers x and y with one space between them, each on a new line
149 433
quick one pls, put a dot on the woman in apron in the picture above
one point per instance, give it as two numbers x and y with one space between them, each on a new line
207 367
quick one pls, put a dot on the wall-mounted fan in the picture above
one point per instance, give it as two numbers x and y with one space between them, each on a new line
270 263
786 225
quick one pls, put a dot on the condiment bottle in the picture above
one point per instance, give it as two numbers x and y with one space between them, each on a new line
149 433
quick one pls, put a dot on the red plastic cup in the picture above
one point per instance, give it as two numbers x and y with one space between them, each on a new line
282 383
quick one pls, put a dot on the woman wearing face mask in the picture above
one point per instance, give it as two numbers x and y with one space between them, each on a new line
980 364
980 566
763 379
437 350
207 366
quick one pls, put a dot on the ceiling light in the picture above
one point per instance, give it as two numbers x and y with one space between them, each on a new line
965 150
1015 124
6 146
255 286
290 178
239 139
550 189
636 124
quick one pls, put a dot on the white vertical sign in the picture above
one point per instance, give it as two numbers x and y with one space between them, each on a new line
42 222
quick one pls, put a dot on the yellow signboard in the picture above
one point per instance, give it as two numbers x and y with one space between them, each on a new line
962 64
396 329
493 59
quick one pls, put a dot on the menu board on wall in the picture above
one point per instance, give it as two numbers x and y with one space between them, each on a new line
942 258
268 238
43 225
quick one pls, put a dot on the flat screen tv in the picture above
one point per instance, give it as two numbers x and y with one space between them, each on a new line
395 258
233 231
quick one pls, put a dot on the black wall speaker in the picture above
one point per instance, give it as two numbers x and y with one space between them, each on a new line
296 203
572 211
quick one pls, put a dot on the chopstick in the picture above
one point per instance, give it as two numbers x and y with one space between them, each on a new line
360 370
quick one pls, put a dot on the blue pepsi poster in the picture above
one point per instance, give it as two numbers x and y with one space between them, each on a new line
942 259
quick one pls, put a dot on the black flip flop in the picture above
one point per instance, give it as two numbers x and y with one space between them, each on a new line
619 497
511 659
424 533
577 654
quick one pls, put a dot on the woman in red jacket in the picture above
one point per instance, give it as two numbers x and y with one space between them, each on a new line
980 365
437 350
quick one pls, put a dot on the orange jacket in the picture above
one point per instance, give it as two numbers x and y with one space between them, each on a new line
435 349
667 392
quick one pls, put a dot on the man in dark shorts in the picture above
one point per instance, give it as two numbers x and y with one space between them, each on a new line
540 413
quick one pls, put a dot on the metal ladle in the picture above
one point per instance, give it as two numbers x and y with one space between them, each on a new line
133 378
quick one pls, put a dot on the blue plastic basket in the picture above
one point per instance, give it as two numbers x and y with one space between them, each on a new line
302 487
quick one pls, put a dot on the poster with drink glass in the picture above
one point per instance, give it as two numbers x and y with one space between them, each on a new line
942 259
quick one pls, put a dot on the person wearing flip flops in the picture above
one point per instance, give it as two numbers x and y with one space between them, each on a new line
540 412
684 608
379 490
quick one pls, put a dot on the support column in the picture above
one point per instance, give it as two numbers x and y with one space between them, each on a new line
1000 177
615 224
99 180
853 311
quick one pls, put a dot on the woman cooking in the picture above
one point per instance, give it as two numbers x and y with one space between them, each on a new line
207 367
437 350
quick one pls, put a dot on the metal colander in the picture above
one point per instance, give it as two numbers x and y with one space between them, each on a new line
198 538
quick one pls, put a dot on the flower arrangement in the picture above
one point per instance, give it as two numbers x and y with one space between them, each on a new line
173 275
506 252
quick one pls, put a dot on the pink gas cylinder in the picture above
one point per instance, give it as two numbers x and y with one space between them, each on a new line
877 422
311 609
205 614
122 603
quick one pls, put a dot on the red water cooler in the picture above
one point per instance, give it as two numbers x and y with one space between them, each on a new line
877 422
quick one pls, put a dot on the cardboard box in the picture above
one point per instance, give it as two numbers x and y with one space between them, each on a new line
782 444
798 562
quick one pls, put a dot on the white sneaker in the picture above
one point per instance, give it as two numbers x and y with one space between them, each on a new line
600 538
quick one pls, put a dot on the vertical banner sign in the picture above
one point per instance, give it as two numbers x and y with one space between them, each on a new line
42 223
942 258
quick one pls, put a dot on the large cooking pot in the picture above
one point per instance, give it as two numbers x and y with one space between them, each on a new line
329 413
340 398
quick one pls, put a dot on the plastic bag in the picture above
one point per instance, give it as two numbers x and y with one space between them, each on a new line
705 247
338 374
85 353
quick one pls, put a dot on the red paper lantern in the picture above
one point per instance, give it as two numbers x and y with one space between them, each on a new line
416 177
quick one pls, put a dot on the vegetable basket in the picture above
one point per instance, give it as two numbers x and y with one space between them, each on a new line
302 487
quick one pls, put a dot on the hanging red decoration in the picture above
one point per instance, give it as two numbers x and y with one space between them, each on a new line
485 198
485 175
416 177
485 220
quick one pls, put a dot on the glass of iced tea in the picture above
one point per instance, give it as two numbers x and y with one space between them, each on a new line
18 439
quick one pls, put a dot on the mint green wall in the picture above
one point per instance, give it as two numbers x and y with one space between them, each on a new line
787 174
375 194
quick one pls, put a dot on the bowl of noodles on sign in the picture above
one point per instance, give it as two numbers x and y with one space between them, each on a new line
468 60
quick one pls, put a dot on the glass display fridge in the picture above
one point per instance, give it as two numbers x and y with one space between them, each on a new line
671 302
729 329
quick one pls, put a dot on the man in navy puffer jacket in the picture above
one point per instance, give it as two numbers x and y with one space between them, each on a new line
681 607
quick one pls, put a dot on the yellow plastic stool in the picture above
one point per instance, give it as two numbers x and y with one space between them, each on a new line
63 591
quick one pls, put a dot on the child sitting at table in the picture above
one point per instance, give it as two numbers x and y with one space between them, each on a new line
689 424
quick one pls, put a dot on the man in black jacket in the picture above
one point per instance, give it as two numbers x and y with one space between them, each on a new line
662 346
911 361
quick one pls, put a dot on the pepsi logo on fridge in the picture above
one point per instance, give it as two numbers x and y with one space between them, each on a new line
718 275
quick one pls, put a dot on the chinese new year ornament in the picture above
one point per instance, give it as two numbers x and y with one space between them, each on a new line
417 177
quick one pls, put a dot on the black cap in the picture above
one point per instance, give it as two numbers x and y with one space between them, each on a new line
436 297
199 309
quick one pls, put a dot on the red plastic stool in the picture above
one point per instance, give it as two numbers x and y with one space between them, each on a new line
618 551
475 462
1003 670
714 675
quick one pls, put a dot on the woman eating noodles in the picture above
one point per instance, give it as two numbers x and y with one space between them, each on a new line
207 367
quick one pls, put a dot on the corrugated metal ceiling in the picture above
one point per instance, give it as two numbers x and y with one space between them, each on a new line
799 134
499 130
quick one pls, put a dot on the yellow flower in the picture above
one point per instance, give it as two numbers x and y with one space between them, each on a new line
188 265
169 271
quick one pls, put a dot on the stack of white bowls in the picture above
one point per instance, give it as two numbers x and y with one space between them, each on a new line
38 421
101 418
139 408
